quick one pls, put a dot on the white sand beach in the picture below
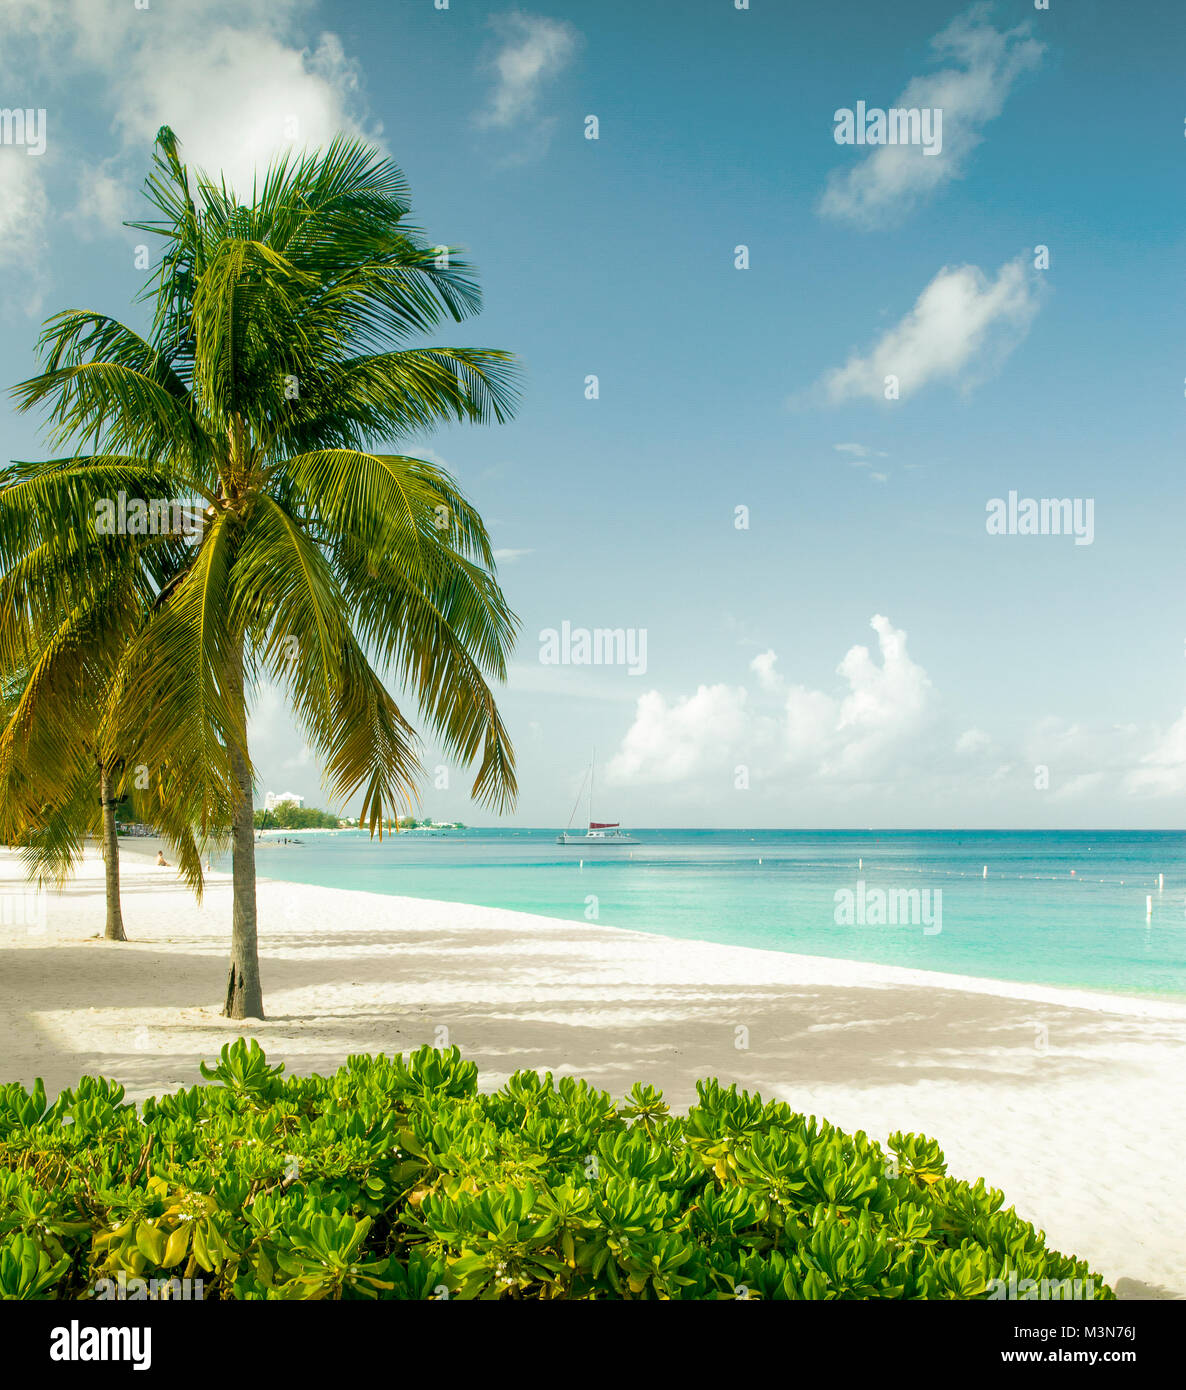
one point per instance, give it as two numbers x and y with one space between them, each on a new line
1070 1102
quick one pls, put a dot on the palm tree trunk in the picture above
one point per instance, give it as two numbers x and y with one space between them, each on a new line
244 995
115 918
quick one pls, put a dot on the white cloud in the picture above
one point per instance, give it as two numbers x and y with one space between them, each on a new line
236 99
880 742
1074 788
105 200
891 179
859 454
848 737
24 208
1118 761
533 51
239 81
972 741
673 742
763 666
508 557
962 325
1163 768
884 702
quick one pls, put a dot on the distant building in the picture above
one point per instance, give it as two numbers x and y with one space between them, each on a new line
274 799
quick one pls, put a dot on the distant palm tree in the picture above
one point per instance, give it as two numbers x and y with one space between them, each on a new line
275 355
61 774
50 803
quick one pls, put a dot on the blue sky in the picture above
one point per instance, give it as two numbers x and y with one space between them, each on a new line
864 653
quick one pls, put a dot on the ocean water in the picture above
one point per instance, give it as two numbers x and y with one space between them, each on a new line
1062 908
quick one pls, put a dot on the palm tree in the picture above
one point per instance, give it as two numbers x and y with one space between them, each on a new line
61 775
277 353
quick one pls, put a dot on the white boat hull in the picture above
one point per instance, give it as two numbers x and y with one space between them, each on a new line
596 841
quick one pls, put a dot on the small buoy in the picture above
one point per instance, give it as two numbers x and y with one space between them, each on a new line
582 863
1160 882
1149 905
759 860
860 863
1072 873
985 873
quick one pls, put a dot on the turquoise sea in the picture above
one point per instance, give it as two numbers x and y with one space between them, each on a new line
1057 907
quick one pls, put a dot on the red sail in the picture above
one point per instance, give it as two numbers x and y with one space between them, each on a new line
604 825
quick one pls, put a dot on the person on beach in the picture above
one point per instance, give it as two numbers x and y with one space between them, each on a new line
162 862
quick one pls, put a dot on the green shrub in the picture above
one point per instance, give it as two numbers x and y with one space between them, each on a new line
396 1179
288 816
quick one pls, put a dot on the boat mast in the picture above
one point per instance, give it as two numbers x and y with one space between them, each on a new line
576 805
592 765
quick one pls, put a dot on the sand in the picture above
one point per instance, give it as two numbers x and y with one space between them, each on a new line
1070 1102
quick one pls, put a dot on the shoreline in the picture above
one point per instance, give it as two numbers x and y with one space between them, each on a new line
1120 904
1067 1100
865 974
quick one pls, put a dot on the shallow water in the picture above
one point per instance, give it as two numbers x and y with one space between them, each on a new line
1063 908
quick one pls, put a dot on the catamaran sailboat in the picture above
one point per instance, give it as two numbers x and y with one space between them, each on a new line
600 834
